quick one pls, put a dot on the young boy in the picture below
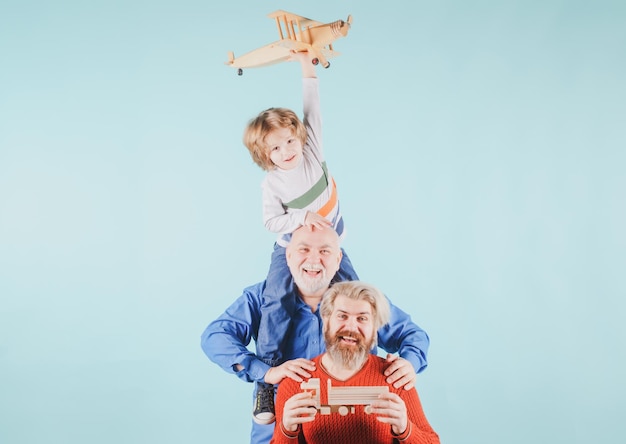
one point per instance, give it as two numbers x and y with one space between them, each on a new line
298 190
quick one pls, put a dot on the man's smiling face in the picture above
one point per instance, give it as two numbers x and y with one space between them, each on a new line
349 331
313 257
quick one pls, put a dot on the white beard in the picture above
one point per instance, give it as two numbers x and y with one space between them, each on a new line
311 284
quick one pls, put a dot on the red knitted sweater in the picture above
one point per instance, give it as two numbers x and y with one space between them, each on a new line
357 428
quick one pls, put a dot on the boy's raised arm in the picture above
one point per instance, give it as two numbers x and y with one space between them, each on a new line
306 62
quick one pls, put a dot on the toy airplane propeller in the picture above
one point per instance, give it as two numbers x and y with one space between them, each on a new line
296 33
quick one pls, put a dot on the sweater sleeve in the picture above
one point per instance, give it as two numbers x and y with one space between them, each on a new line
418 429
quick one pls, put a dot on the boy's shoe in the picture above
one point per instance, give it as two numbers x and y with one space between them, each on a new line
264 404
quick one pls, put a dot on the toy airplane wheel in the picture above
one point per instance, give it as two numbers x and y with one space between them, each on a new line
315 61
239 72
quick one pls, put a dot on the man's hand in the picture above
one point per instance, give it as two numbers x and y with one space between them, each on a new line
298 410
296 369
391 409
400 372
315 220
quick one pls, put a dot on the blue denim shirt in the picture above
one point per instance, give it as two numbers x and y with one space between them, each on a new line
225 341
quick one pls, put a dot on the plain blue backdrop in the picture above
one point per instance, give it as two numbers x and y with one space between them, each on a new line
479 150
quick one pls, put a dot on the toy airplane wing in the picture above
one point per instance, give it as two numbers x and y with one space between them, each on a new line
273 53
288 17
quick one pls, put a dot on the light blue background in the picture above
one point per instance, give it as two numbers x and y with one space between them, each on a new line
479 149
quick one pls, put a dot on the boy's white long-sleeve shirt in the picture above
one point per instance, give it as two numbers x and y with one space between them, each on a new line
289 194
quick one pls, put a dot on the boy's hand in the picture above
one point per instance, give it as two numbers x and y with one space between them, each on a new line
315 220
305 58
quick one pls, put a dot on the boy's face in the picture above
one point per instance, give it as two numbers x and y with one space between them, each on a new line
285 149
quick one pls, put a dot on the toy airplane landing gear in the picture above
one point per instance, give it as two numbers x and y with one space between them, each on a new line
296 33
325 63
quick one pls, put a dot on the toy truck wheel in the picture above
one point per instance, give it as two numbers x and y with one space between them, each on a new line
368 409
343 410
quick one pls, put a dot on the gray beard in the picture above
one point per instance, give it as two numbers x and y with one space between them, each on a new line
349 359
311 285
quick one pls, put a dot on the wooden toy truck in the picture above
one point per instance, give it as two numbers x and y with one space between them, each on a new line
343 399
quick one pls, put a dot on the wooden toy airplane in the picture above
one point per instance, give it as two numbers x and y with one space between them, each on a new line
296 33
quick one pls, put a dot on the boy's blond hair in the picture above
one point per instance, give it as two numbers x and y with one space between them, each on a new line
267 121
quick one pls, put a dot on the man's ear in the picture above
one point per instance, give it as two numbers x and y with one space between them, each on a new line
339 256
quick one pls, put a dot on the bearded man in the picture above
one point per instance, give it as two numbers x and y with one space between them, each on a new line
313 256
352 313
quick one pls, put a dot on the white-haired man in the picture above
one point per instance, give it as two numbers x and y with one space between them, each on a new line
313 256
